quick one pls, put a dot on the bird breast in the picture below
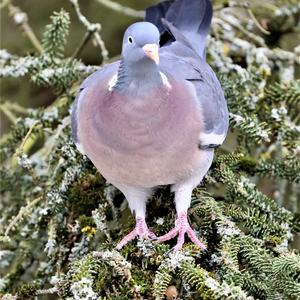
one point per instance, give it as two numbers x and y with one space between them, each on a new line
146 141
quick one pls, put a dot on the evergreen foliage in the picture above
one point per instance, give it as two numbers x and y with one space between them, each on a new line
60 220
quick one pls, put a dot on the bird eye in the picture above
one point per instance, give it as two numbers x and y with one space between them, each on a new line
130 39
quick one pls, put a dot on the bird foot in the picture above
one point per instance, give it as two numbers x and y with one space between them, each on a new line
141 230
182 226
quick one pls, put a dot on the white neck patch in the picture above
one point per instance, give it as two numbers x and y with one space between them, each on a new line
112 82
165 80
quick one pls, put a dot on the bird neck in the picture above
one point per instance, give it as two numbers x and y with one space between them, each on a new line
142 74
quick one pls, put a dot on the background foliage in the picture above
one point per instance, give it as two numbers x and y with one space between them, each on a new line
60 220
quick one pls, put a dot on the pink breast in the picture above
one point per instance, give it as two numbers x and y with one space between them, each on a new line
142 141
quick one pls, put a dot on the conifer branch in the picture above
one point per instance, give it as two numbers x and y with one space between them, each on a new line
65 234
24 210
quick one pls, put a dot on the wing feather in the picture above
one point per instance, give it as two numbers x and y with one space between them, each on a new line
179 61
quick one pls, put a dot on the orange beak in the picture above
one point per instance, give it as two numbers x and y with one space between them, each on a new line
151 51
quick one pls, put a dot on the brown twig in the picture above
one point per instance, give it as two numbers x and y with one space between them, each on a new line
27 136
21 19
84 41
256 22
13 106
245 5
8 113
256 39
122 9
92 30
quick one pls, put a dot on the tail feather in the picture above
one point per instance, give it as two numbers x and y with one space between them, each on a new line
192 18
155 13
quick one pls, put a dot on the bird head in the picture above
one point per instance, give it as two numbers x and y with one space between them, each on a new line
141 43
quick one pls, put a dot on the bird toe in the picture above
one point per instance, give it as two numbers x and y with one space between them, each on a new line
181 228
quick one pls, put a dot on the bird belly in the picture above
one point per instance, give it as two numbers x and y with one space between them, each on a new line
144 142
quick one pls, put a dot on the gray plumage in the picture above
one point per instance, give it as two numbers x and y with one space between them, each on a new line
144 123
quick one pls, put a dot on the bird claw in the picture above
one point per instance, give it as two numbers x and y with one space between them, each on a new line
154 237
141 230
182 226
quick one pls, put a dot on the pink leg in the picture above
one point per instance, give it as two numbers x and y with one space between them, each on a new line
141 230
182 226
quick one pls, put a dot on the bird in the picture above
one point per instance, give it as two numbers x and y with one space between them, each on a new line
154 117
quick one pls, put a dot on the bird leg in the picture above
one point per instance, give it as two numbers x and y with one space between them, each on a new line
141 230
182 226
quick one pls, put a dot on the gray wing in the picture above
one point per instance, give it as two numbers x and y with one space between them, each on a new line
182 61
98 77
214 107
184 26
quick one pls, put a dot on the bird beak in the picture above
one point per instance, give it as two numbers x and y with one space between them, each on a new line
151 51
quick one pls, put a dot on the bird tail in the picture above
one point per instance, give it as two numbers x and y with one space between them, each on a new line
185 20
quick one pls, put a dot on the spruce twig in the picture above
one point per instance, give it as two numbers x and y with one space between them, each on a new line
24 210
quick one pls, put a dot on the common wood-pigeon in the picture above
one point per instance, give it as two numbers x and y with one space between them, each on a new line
154 117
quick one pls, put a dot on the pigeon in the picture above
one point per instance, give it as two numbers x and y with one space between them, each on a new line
154 117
